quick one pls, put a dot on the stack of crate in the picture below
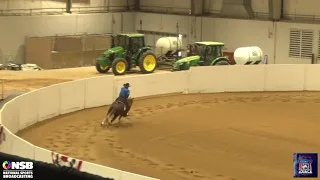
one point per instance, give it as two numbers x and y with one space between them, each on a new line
66 51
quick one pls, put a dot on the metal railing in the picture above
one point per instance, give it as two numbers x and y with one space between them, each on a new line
187 11
165 10
301 17
216 13
161 33
54 11
262 15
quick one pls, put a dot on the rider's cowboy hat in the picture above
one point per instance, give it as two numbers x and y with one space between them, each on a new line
126 84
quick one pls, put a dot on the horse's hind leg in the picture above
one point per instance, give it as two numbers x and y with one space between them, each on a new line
107 116
104 121
114 117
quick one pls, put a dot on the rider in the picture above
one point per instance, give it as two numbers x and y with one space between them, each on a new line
124 95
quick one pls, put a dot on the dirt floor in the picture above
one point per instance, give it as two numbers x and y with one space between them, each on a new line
30 80
229 136
23 81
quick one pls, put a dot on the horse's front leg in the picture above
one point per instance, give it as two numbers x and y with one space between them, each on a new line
119 119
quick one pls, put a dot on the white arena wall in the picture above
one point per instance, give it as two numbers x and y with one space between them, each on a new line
45 103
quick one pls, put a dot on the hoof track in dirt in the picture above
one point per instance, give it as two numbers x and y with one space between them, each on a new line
145 111
84 138
117 125
181 171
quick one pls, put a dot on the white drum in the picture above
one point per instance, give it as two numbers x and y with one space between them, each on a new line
167 44
248 55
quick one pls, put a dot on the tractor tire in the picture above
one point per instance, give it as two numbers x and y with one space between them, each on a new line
119 66
147 62
102 69
221 63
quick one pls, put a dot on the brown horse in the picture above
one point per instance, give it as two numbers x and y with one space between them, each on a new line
117 109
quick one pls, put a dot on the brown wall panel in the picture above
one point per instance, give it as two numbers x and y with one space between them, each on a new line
89 42
38 51
75 1
102 42
1 58
64 44
66 59
96 42
89 57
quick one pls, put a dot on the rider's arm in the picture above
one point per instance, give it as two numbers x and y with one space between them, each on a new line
127 93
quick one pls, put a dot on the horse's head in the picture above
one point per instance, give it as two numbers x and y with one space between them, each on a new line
130 101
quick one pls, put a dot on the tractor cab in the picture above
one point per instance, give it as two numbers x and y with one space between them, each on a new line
130 42
208 52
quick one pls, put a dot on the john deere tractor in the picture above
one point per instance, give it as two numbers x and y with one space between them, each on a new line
205 54
130 51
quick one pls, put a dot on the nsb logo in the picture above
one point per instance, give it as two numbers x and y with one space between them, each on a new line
7 165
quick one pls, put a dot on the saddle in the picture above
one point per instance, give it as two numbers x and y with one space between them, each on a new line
122 102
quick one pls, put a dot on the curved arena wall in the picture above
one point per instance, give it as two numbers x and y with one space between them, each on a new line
45 103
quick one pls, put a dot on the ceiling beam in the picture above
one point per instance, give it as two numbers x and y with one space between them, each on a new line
275 9
137 5
237 9
197 7
69 6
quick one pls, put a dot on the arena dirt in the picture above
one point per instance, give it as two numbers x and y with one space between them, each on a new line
31 80
244 136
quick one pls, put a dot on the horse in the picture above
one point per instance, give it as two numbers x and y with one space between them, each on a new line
117 109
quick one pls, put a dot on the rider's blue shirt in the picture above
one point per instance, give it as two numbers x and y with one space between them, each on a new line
125 93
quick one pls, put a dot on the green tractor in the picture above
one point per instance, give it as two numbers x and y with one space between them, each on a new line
204 54
129 52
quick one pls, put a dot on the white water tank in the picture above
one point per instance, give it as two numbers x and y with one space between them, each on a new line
166 44
248 55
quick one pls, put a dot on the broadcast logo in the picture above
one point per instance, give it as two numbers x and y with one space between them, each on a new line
6 165
17 170
305 165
